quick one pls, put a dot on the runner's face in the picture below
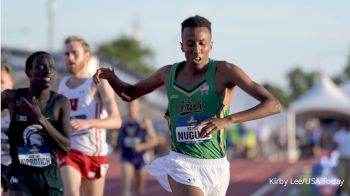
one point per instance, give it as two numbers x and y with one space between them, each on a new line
75 57
6 81
196 44
42 72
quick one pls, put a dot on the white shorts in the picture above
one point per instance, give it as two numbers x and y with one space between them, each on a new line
212 176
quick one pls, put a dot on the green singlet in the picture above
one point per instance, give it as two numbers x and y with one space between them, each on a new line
34 168
190 105
30 144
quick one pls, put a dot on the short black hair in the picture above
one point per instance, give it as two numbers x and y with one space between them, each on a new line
30 59
196 21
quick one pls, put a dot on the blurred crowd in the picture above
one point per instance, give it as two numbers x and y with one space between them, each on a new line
263 143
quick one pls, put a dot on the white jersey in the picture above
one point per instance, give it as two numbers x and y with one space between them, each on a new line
85 105
5 146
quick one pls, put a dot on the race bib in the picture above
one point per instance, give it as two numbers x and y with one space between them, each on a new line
80 132
186 132
35 156
131 141
80 116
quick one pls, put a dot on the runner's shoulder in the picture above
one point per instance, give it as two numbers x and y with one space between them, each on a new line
163 72
61 99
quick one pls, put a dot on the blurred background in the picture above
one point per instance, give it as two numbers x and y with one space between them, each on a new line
299 51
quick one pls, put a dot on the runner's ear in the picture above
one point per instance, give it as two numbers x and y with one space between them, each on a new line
182 47
28 73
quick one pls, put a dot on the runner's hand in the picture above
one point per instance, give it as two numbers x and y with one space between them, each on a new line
103 73
137 148
30 108
80 124
210 125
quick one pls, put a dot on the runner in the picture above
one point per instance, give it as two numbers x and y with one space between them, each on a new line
6 83
86 164
136 138
39 127
199 92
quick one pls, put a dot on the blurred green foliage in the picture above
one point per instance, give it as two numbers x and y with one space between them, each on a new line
130 54
299 81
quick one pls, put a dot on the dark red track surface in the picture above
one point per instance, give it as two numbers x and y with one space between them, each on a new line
247 177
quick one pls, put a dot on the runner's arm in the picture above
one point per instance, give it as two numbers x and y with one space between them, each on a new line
152 138
113 121
32 109
129 92
231 76
268 103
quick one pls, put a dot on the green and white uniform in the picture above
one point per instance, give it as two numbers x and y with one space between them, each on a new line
190 105
194 161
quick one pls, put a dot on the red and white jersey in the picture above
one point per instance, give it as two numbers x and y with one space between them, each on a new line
85 104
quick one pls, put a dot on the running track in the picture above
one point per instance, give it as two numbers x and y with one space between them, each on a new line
247 177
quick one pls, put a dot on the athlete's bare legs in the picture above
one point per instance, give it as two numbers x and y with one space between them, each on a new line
140 180
93 187
71 180
128 173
